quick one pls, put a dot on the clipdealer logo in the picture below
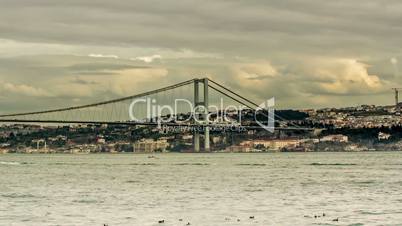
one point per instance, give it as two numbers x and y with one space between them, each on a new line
264 114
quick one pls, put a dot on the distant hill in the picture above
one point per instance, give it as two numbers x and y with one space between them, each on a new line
290 115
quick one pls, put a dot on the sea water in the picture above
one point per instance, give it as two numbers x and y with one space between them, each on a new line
202 189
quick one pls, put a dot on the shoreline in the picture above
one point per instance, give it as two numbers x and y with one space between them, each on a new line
150 154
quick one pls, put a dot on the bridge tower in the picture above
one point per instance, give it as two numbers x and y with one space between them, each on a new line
206 105
196 104
201 108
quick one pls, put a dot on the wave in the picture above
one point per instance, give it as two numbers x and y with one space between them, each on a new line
365 182
87 201
143 164
191 164
101 164
13 163
332 164
133 181
20 196
251 164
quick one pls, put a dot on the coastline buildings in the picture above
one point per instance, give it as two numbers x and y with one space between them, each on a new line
364 116
365 127
150 145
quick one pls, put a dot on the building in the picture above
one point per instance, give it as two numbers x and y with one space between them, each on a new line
276 144
150 145
218 139
101 139
4 134
383 136
123 147
37 143
57 138
335 138
5 145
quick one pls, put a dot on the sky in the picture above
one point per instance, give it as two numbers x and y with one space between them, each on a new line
305 53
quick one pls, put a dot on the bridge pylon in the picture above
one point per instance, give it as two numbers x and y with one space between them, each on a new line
201 108
196 134
206 105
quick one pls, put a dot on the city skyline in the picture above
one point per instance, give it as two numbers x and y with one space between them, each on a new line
307 55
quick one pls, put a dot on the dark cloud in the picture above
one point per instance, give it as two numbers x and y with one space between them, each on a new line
225 26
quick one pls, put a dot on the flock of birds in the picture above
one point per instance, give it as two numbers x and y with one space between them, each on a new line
323 215
251 217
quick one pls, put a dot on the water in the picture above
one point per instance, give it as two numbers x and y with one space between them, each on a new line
203 189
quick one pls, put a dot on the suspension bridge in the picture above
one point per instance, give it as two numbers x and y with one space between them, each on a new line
194 97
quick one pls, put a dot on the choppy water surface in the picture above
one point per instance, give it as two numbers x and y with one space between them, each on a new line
203 189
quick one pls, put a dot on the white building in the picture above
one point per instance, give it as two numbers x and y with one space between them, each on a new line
383 136
150 145
335 138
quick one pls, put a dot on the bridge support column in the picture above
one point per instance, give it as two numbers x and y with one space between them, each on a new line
196 135
205 118
204 113
196 142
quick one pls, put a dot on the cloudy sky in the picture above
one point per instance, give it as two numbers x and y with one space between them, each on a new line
309 53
